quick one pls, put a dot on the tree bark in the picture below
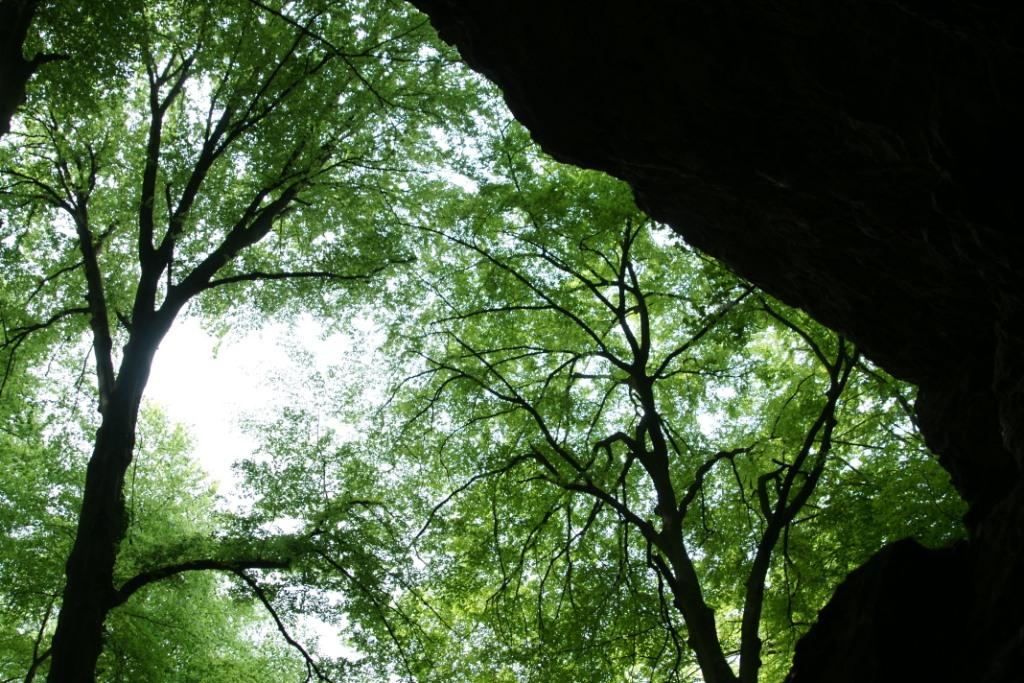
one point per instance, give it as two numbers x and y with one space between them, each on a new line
89 592
78 639
699 617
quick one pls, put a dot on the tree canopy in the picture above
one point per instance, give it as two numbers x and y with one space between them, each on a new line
575 448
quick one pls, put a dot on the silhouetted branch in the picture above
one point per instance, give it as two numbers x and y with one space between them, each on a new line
37 656
293 275
702 471
311 665
18 333
510 465
139 581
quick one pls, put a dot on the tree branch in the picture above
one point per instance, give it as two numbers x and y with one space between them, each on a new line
40 657
510 465
243 234
30 675
147 203
605 352
642 525
378 604
139 581
293 275
99 321
311 665
710 323
50 278
786 509
702 471
815 348
19 333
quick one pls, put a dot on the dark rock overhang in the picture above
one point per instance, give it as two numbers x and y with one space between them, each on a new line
858 159
862 160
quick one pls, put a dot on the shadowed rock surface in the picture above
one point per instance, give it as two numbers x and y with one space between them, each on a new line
861 160
889 594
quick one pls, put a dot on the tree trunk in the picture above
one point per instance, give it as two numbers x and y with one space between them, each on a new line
699 618
89 590
78 639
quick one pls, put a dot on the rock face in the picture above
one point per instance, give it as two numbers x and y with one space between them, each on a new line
857 158
900 582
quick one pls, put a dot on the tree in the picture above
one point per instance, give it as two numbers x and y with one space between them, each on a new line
224 149
185 629
613 461
629 444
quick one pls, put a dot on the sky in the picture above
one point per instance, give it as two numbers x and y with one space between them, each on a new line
208 388
210 385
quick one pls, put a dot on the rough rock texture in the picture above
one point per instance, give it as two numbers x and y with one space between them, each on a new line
860 159
868 632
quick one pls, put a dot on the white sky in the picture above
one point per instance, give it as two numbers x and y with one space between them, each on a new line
210 388
211 385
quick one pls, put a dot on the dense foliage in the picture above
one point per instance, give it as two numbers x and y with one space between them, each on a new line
609 435
565 447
